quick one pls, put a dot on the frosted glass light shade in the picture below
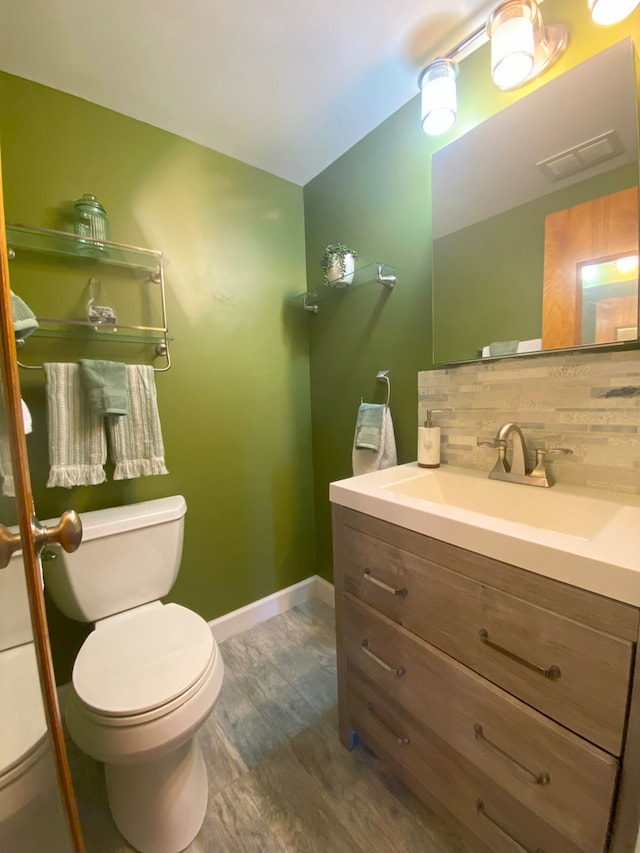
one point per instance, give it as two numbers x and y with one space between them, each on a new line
439 96
611 11
510 29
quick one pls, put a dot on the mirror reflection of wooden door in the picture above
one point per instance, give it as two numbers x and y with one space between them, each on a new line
592 232
617 319
38 810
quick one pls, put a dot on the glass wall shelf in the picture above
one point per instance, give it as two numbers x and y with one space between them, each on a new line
90 333
82 249
381 273
79 252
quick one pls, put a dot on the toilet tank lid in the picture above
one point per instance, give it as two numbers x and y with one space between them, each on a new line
118 519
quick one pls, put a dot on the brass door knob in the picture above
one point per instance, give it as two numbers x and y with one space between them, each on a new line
67 532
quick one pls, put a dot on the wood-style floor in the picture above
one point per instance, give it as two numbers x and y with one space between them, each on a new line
279 779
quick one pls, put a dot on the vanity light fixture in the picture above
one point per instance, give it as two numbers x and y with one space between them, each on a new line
611 11
439 97
522 46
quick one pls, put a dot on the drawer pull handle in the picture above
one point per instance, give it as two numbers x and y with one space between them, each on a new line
551 672
385 586
518 847
538 778
398 670
403 741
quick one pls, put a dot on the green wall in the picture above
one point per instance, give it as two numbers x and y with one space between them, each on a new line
376 198
235 406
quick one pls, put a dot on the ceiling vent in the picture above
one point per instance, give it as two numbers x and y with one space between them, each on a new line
582 156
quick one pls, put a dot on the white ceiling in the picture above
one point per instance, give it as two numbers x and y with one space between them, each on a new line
285 85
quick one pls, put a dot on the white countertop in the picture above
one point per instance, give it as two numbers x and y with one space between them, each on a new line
604 560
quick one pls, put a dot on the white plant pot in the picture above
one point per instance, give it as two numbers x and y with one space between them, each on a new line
334 274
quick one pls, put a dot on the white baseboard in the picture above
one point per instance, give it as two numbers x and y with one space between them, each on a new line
278 602
325 591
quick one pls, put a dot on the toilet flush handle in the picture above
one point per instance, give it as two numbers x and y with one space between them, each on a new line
67 533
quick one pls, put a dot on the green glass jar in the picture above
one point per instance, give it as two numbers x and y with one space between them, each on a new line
90 221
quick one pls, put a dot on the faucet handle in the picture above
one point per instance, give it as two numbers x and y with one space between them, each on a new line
542 453
491 442
540 471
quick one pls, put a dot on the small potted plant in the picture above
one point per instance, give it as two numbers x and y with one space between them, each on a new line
338 265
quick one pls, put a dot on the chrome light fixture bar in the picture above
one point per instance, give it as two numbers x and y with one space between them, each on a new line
511 25
522 48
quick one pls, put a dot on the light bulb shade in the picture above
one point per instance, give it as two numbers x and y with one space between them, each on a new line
439 96
611 11
511 30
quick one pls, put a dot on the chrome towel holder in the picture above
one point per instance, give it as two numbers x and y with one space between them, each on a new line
383 376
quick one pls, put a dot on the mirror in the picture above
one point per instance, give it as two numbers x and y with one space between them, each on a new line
609 295
533 212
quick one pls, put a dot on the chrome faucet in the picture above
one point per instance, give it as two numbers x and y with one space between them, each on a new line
516 471
518 450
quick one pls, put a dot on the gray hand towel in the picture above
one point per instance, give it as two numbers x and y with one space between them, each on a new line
503 347
105 385
24 320
369 426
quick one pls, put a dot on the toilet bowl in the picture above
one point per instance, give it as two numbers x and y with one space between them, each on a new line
31 816
147 676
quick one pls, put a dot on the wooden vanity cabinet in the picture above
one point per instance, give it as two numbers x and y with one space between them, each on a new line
500 696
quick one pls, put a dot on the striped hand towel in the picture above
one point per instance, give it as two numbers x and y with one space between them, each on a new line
77 442
136 439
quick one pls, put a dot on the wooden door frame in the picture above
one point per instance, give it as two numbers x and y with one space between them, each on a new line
25 512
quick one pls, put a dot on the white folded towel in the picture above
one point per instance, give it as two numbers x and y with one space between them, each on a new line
27 423
136 439
365 461
77 442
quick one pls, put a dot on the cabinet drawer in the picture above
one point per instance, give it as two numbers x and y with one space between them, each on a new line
574 674
565 780
491 814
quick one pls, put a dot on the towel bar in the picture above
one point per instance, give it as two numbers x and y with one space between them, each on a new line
161 349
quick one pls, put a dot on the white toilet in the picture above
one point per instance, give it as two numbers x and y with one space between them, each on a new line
147 676
31 815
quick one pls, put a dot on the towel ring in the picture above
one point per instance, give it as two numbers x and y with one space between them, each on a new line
383 376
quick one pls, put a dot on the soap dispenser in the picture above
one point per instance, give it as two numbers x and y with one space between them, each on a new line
429 442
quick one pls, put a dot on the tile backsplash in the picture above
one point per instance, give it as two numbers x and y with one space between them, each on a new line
587 402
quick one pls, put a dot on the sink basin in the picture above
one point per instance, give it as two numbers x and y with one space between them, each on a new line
580 536
549 509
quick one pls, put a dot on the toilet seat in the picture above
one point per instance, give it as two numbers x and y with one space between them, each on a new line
142 664
21 713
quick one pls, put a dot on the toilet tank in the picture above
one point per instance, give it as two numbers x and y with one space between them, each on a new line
130 555
15 618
